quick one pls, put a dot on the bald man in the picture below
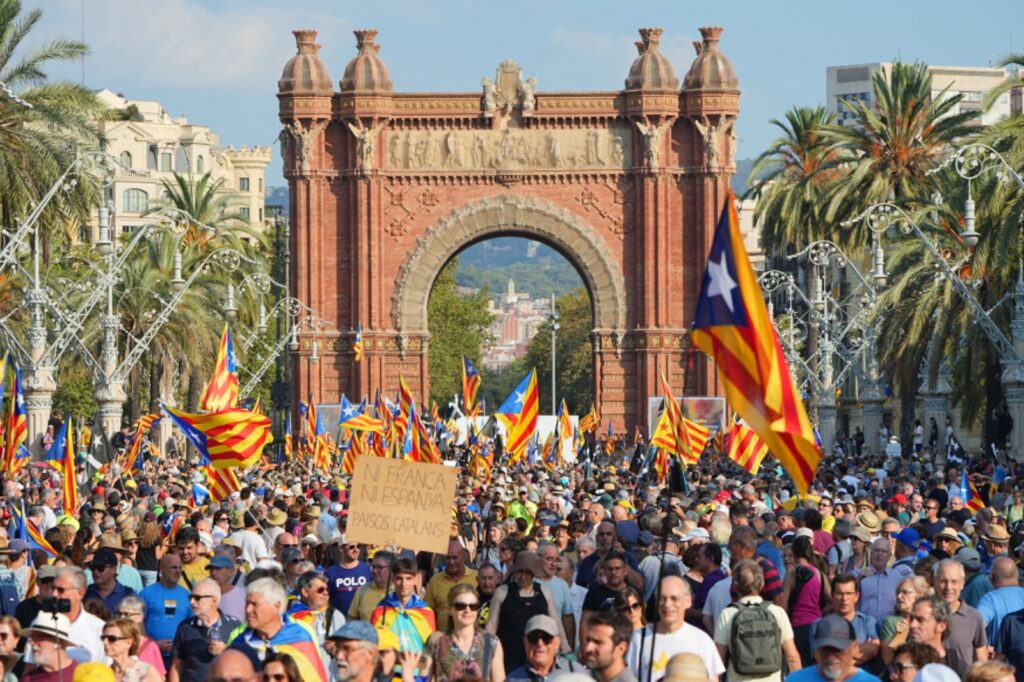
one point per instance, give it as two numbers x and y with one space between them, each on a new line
232 666
1007 597
672 635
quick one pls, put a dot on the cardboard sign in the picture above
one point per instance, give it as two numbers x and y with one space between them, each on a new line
393 502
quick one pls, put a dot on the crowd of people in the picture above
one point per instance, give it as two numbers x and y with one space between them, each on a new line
892 567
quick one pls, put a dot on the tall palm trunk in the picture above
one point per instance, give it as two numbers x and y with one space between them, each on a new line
155 375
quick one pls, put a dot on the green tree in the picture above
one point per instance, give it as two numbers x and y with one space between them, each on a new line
793 178
574 354
459 325
42 128
74 394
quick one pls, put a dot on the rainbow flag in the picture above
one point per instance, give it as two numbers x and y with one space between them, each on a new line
295 639
230 438
745 448
412 624
222 393
733 327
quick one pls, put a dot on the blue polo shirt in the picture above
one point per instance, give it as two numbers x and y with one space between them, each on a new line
111 601
166 608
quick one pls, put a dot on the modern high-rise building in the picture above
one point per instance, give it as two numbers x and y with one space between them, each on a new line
152 145
854 82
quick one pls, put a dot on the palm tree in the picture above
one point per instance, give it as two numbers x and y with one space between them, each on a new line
891 148
207 202
792 179
891 152
1015 81
38 142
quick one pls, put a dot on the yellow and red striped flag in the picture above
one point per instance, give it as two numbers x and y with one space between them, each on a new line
470 384
222 392
132 460
519 414
677 434
230 438
221 482
733 327
16 429
68 482
357 345
589 421
745 448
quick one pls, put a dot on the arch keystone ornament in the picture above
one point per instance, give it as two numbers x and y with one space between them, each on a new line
386 186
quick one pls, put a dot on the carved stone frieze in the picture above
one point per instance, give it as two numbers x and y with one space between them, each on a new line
404 204
510 149
610 202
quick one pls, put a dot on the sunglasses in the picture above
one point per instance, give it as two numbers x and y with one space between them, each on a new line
110 639
129 614
535 637
320 590
466 606
199 597
902 666
629 608
275 677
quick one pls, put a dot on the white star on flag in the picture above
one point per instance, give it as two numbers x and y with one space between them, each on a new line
721 283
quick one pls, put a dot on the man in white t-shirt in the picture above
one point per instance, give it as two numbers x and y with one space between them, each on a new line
749 580
672 635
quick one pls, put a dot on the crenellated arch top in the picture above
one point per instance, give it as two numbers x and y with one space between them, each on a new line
491 217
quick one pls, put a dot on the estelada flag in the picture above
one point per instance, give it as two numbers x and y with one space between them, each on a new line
230 438
470 384
745 448
733 327
222 392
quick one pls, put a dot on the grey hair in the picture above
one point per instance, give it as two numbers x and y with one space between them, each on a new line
306 580
586 542
937 568
212 584
270 590
132 603
77 576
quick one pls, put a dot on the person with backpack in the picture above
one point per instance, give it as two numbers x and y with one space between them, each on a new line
754 637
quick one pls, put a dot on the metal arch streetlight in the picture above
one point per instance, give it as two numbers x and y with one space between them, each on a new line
554 326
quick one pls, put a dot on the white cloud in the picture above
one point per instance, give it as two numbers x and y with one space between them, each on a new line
225 46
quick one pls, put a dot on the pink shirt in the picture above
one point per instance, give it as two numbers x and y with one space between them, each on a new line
805 605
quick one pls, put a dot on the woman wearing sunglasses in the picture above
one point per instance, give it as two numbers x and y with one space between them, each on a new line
279 667
121 639
628 603
465 650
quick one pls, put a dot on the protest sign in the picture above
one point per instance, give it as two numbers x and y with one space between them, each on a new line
393 502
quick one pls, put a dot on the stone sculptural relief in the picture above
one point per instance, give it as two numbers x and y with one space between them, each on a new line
605 149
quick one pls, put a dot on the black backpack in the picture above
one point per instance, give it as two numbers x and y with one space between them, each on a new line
755 640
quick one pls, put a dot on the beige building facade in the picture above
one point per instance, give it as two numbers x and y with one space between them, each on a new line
854 82
152 145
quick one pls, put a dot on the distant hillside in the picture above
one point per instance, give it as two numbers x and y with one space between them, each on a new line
742 178
536 268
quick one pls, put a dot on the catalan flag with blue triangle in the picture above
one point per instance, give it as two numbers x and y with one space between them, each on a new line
222 393
357 345
971 495
16 455
470 384
27 531
230 438
519 414
732 326
355 418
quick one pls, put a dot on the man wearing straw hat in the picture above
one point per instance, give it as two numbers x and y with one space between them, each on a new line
48 640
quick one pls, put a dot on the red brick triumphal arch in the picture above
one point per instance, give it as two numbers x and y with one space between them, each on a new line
387 186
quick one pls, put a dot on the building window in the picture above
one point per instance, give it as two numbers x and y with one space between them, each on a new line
84 234
165 162
243 184
135 201
260 183
244 212
126 160
199 165
261 214
127 229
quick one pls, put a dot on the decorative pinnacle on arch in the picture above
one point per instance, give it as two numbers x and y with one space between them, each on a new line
305 39
366 40
651 38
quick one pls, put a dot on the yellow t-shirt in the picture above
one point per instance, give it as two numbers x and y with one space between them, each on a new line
437 593
194 572
365 601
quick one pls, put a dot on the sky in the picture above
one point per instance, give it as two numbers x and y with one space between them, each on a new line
218 61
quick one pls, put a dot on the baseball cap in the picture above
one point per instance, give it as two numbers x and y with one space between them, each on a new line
542 623
969 558
908 537
835 632
104 556
356 631
220 561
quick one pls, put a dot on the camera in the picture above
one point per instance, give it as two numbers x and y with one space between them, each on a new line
54 605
